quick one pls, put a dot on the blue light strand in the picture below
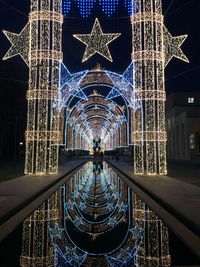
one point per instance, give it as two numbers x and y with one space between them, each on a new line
131 8
108 6
66 7
85 7
69 83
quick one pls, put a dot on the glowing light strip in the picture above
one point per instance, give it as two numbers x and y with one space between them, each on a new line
108 6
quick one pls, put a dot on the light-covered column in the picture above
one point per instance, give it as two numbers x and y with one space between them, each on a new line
148 129
45 55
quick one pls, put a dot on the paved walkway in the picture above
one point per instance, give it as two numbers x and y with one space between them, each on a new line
186 171
10 169
179 199
22 195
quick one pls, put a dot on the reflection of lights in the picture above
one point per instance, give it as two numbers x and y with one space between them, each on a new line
146 237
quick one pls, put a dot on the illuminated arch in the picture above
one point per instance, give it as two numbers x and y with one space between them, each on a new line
97 116
121 85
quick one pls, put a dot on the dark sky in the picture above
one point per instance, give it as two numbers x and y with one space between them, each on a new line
183 18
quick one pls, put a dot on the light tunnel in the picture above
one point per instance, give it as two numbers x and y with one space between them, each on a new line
97 106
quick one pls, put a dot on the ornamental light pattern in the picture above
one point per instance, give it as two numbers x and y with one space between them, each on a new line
40 45
96 203
52 87
86 8
152 48
97 42
43 134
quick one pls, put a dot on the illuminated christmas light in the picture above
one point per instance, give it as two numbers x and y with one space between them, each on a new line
173 47
44 118
52 87
77 205
70 83
96 116
97 42
20 44
107 6
152 49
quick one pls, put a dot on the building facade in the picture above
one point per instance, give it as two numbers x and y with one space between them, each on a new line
183 126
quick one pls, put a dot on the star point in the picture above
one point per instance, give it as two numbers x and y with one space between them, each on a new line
20 44
56 232
97 42
173 47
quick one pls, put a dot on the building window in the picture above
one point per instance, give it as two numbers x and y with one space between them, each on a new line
190 100
192 141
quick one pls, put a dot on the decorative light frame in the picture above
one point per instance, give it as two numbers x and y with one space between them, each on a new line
142 85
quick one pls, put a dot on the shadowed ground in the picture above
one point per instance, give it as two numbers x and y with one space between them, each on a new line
187 172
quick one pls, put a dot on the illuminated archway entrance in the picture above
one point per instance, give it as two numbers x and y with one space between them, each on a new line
97 110
40 45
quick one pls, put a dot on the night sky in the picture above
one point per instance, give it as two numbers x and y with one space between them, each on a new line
181 17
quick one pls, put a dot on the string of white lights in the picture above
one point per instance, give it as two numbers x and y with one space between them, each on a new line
142 86
44 117
153 48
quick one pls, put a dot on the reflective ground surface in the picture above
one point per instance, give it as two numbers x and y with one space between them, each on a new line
94 219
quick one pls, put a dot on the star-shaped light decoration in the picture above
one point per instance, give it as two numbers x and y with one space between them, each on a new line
173 47
74 257
20 44
78 221
70 83
122 207
55 232
137 231
112 221
97 42
69 205
110 207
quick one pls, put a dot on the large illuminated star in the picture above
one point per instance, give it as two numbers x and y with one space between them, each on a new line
20 44
173 47
97 42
